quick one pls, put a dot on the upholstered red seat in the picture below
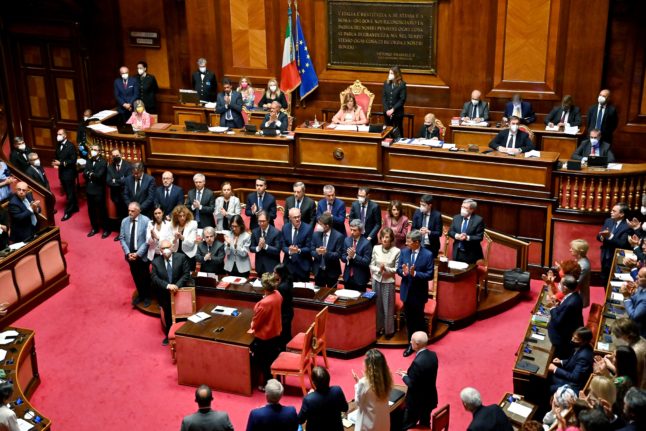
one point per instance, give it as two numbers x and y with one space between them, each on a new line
51 261
429 307
27 275
296 364
362 95
8 292
182 305
296 343
175 328
287 362
320 340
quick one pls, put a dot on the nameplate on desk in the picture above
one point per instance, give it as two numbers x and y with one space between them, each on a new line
603 346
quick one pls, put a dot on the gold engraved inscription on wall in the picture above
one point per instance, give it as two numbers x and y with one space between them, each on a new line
374 34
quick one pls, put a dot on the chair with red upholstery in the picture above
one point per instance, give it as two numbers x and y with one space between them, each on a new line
296 364
27 275
320 340
483 267
8 291
182 305
362 95
594 318
51 261
440 419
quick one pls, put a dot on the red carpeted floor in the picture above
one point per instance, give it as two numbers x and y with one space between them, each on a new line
103 367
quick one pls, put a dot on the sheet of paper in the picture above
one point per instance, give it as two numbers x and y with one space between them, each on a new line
364 128
102 128
209 105
454 264
532 153
537 336
616 296
352 416
571 130
623 277
9 333
17 245
218 129
347 127
554 128
519 409
603 346
3 354
615 166
102 115
23 425
257 283
616 283
448 146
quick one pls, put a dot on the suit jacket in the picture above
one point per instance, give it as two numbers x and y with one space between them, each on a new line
124 236
299 263
21 225
333 255
38 175
175 197
619 238
4 220
415 288
421 380
181 272
322 411
145 195
565 319
19 158
268 204
207 421
238 254
359 265
116 178
585 149
636 309
573 118
475 232
235 106
208 206
127 94
232 209
425 134
434 226
216 263
95 173
372 223
522 141
338 214
267 258
207 88
394 97
527 113
608 122
489 418
66 154
483 110
282 119
147 89
575 370
308 209
273 417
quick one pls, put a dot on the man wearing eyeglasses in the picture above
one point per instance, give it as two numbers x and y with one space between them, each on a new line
23 210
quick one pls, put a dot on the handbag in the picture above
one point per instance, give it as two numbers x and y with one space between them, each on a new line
516 279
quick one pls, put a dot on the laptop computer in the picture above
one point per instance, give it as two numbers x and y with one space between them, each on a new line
250 128
375 128
192 126
126 129
188 96
597 161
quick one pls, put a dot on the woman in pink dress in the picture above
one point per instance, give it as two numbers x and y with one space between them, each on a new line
398 222
140 119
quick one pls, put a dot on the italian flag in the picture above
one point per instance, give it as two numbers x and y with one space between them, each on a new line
289 77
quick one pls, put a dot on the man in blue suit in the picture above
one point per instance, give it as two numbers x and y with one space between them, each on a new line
369 213
132 236
357 252
23 209
168 195
327 248
276 119
273 416
415 268
333 206
266 243
517 107
575 370
565 318
297 237
260 200
229 106
126 91
635 301
140 187
613 235
429 224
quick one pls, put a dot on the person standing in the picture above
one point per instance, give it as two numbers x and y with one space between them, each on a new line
357 251
326 249
297 238
226 206
333 206
158 230
613 235
168 195
485 418
273 416
368 212
302 202
322 408
205 418
35 172
19 153
126 91
147 87
398 222
184 233
266 244
65 162
467 228
603 116
383 265
210 252
204 82
23 210
579 250
140 187
201 201
236 249
260 200
229 106
95 173
371 393
394 98
429 223
118 170
132 236
565 317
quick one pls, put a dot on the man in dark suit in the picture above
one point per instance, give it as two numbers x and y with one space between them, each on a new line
206 419
326 249
565 318
170 272
276 119
333 206
36 172
357 252
603 116
322 407
468 230
613 235
302 202
485 418
210 252
519 108
273 416
22 210
132 235
566 113
420 378
260 200
4 228
126 91
81 133
593 147
204 82
415 268
140 187
635 302
147 87
429 224
201 201
634 409
475 109
369 213
229 106
168 195
19 154
118 170
266 243
576 369
65 162
512 140
95 172
297 237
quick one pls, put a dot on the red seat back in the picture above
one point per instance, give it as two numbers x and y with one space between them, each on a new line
440 419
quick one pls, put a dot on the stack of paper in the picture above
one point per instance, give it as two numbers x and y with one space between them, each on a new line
102 115
308 285
623 277
209 105
519 409
197 318
218 129
207 274
102 128
23 425
225 311
7 337
533 153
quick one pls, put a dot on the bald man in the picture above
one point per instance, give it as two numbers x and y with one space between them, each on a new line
168 195
276 119
475 109
23 210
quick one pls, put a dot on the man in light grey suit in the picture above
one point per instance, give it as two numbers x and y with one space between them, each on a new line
201 201
226 206
206 419
132 236
475 109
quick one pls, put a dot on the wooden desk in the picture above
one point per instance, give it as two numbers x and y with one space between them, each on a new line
517 420
218 359
457 296
200 114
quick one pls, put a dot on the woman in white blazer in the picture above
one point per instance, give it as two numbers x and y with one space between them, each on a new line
184 233
226 206
159 229
236 249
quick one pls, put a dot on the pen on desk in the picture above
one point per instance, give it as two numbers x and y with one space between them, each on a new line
530 358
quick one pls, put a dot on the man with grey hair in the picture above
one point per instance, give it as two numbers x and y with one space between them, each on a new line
357 252
302 202
485 418
635 409
36 171
273 416
201 201
467 229
297 238
333 206
135 248
204 82
210 252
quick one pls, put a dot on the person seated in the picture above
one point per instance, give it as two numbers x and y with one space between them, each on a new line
519 108
621 366
273 416
210 252
23 210
565 317
634 409
627 333
19 154
140 119
6 179
350 112
475 109
229 106
635 300
205 417
485 418
602 395
8 419
429 129
322 407
512 140
563 399
566 113
273 94
593 146
247 92
276 119
576 369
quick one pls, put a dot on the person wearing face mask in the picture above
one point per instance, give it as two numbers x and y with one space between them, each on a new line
229 106
519 108
273 94
95 173
565 317
512 140
429 129
126 91
603 116
118 170
576 369
565 113
626 333
247 92
23 211
35 171
19 153
368 212
467 228
613 235
594 146
394 98
147 87
81 134
65 162
475 109
326 250
429 223
140 119
204 82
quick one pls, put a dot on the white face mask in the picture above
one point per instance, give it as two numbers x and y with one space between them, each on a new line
361 199
140 71
391 76
272 88
22 147
594 142
475 101
86 118
167 252
94 153
464 212
601 99
59 138
124 76
643 210
37 162
202 69
513 128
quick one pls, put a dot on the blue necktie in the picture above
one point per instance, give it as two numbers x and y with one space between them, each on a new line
34 221
260 202
198 197
465 222
169 271
413 258
599 118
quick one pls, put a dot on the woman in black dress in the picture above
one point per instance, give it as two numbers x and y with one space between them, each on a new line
285 286
394 98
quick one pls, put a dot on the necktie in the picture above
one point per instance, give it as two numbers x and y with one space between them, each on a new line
228 115
40 174
33 216
169 270
133 233
599 118
463 229
363 213
354 246
511 141
167 192
137 186
413 258
198 197
426 217
323 256
298 204
473 114
225 219
294 236
562 116
329 208
125 83
517 112
260 202
614 228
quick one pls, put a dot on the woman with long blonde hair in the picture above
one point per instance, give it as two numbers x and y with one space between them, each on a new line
371 393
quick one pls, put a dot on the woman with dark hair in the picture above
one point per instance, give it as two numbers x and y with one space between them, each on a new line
397 221
158 230
371 393
8 419
236 249
394 98
285 285
322 408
